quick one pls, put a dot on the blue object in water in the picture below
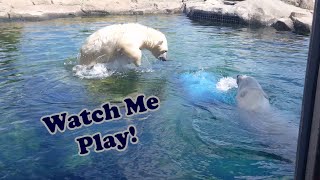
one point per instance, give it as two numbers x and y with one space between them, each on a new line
201 86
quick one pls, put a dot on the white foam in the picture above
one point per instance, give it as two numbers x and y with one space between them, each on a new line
104 70
97 71
226 83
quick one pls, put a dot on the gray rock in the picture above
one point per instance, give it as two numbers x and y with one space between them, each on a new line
67 2
302 22
42 12
307 4
229 2
283 24
41 2
4 10
251 12
47 9
292 2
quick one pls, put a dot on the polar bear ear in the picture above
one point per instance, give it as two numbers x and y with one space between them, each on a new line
159 43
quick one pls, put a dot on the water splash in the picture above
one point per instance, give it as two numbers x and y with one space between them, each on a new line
202 86
98 71
226 83
145 59
104 70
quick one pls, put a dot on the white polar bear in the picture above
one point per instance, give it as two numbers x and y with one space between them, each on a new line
250 95
270 126
121 41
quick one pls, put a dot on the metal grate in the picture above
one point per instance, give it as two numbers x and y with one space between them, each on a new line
216 17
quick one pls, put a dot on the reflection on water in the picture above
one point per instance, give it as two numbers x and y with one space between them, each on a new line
9 40
196 134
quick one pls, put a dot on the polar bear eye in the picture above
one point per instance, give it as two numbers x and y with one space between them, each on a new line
164 51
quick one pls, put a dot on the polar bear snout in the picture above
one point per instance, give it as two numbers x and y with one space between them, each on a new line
240 78
163 56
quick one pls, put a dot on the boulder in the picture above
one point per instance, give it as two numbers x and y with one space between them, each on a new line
17 3
302 22
168 7
292 2
283 24
131 7
307 4
229 2
42 2
260 12
273 13
41 12
92 7
46 9
4 10
67 2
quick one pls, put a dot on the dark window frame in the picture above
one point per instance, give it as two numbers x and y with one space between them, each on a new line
308 150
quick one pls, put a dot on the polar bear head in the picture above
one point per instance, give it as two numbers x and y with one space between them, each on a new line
245 81
160 49
157 43
250 95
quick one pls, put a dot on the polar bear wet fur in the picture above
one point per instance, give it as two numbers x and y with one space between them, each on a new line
250 95
120 41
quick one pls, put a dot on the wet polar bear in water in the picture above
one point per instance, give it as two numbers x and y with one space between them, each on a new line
251 96
123 41
271 128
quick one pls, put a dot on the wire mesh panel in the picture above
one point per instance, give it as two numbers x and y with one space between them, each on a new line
216 17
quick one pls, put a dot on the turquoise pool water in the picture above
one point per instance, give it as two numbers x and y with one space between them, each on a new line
196 134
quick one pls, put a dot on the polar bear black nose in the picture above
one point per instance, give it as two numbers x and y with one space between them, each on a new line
162 58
